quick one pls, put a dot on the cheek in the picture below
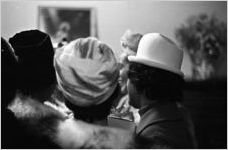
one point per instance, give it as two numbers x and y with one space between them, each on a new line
133 97
123 73
128 86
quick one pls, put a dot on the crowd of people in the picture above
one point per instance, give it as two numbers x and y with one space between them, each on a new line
62 97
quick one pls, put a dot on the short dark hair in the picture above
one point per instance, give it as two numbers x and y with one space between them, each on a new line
158 84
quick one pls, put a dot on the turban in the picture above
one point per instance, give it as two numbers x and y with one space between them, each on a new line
87 71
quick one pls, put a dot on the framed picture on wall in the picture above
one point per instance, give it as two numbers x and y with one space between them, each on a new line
67 24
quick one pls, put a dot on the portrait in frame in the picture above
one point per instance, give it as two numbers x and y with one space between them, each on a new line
67 23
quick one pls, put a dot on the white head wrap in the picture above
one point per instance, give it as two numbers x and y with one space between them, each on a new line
87 71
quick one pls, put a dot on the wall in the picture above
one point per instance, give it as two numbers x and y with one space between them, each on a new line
114 17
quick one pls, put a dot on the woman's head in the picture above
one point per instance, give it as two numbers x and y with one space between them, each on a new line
35 54
130 41
87 71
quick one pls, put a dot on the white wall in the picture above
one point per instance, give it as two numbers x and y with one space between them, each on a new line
114 17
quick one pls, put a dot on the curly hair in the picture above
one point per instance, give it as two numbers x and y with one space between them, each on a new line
157 84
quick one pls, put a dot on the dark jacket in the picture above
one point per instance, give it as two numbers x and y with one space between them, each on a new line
164 125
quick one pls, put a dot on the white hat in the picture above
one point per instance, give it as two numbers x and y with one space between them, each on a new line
87 71
158 51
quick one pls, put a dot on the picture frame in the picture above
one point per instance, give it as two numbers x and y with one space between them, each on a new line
67 23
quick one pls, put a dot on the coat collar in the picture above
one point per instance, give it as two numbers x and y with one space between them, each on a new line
25 107
158 112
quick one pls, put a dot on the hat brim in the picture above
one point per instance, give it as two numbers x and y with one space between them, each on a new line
154 64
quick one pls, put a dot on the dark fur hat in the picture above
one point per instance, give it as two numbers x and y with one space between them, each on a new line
35 56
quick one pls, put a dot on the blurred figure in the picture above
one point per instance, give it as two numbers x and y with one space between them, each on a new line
155 87
87 74
129 44
205 40
62 35
130 41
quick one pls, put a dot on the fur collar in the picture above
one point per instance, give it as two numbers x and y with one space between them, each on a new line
78 134
28 107
67 132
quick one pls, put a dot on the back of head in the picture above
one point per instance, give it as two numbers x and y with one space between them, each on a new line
156 68
8 73
130 41
35 57
155 83
87 71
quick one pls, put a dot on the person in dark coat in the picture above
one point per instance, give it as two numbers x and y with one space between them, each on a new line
14 133
28 78
155 87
